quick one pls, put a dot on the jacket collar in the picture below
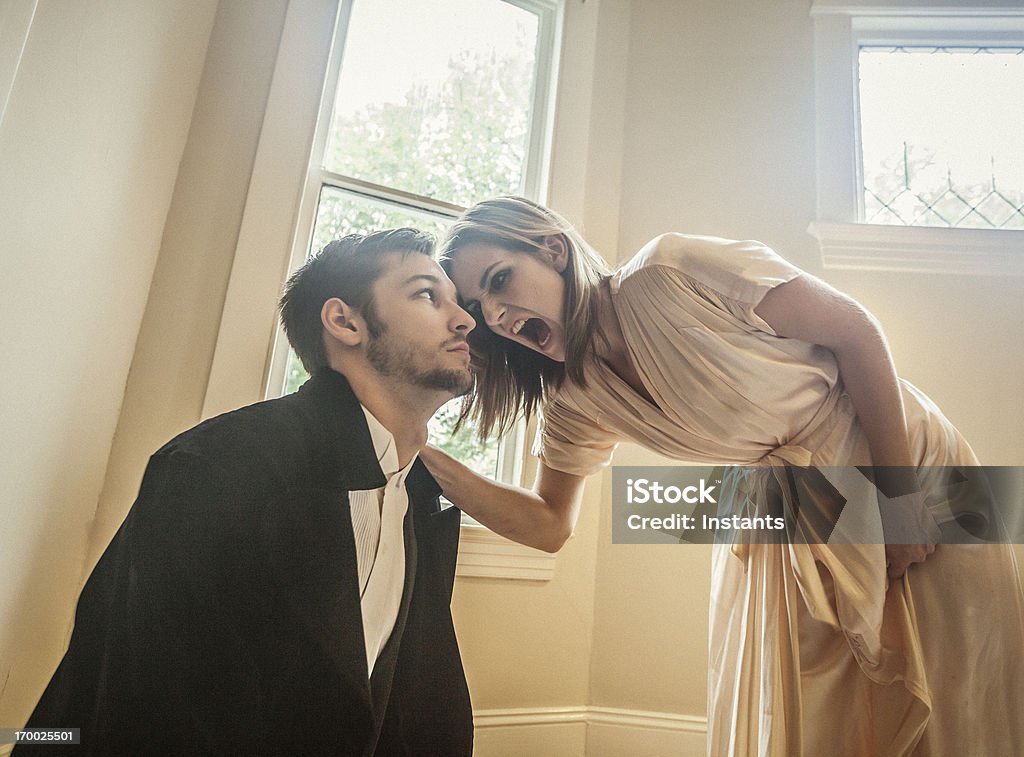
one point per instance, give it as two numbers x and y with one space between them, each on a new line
347 458
346 438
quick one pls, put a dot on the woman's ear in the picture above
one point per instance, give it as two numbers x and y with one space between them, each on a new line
342 322
558 251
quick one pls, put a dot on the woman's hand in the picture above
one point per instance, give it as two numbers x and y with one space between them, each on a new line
899 557
543 519
809 309
911 532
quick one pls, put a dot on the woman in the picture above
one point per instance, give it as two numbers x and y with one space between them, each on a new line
712 351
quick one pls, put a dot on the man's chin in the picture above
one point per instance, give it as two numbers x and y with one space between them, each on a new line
454 382
464 384
464 388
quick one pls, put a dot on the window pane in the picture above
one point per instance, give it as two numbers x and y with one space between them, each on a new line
435 98
941 136
340 213
463 444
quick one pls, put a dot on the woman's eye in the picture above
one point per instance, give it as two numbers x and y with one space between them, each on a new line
427 294
499 280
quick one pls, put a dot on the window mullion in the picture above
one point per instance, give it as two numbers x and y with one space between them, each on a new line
542 117
326 114
387 194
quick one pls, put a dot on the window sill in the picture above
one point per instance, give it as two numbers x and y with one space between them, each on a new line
874 247
484 554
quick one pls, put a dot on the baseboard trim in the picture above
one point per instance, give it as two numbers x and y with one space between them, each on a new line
618 716
661 721
588 732
502 718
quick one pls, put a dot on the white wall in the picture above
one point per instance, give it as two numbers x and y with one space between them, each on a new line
165 391
89 148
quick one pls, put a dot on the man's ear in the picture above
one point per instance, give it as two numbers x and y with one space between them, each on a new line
558 251
343 322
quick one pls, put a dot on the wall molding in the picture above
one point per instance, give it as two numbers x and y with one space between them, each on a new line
620 716
873 8
594 731
962 252
647 720
528 716
485 554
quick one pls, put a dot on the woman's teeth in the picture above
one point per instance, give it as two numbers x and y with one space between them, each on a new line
532 329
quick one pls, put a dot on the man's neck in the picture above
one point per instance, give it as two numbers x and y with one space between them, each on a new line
402 410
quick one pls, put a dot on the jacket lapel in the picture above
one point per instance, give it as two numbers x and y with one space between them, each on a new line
318 578
384 668
423 501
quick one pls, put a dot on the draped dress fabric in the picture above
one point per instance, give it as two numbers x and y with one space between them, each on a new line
811 651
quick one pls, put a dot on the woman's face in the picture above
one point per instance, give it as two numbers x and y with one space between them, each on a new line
519 295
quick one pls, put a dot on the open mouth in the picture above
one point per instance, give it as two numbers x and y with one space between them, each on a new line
532 329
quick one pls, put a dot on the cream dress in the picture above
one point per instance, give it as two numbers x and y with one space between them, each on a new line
810 653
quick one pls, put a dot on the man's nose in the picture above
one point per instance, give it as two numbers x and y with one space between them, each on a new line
462 320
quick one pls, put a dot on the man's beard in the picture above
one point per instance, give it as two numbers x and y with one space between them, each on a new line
394 360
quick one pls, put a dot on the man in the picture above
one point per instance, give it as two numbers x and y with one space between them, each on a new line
282 583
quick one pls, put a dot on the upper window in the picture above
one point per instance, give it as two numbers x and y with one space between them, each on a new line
435 99
428 108
918 115
942 136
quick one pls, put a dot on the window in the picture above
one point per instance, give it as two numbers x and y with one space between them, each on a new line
428 109
383 113
920 152
942 142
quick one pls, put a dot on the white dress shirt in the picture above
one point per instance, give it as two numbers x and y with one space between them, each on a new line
378 517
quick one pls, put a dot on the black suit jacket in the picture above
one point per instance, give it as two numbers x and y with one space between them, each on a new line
224 617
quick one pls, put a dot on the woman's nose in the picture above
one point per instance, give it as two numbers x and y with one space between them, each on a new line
493 312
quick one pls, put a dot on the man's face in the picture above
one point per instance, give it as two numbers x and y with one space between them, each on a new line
422 329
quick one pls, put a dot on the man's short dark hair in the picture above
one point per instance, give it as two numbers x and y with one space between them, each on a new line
345 268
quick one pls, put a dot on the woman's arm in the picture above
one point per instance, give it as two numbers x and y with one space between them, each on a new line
543 518
807 308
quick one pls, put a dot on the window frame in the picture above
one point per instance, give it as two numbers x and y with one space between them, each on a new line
845 241
280 213
318 177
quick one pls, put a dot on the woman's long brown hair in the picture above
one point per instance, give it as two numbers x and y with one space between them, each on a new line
512 379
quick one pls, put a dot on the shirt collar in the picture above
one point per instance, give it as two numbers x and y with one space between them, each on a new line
385 449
